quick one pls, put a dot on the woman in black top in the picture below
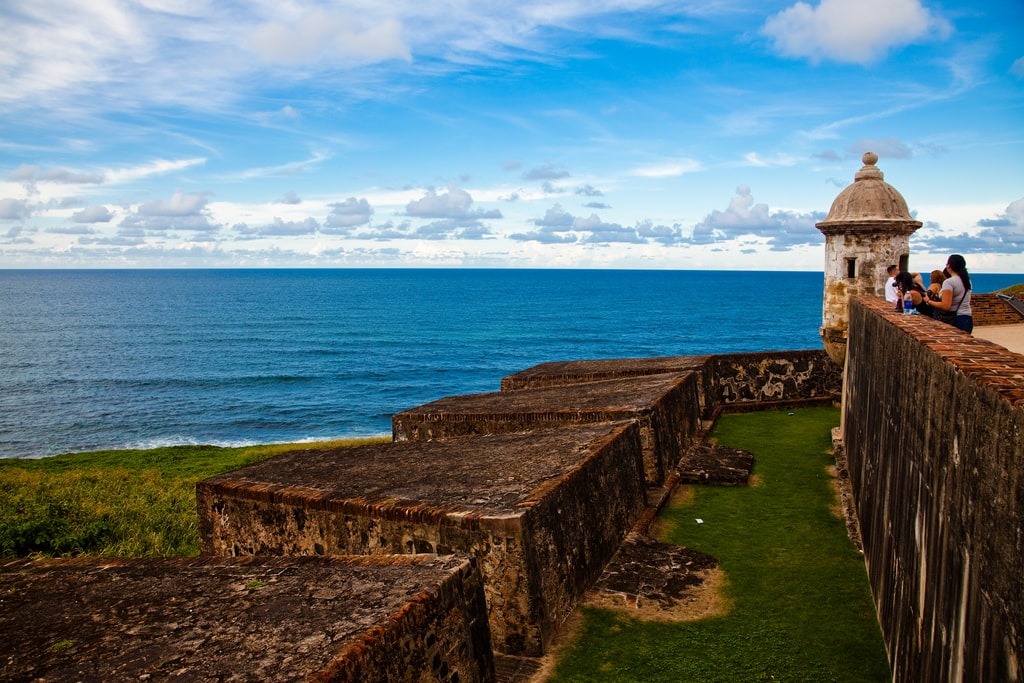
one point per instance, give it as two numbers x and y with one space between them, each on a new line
918 295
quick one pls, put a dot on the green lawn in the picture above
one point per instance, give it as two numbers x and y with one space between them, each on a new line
799 603
130 503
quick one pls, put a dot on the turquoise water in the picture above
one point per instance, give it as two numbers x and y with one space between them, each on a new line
139 358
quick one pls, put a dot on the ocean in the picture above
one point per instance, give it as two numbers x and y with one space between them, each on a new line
104 359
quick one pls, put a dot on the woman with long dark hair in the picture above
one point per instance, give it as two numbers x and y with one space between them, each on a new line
956 294
906 284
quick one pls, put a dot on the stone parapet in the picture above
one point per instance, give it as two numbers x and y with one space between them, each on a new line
381 619
934 441
988 309
731 381
736 381
562 373
541 512
664 406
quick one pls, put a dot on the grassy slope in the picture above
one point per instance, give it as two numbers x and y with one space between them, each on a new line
800 607
114 503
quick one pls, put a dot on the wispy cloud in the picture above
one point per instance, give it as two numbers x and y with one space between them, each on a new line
286 169
668 169
152 168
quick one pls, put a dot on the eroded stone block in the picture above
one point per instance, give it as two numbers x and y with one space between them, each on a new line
405 618
543 512
560 373
665 407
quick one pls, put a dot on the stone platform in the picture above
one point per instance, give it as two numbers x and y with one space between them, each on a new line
561 373
665 406
543 512
364 619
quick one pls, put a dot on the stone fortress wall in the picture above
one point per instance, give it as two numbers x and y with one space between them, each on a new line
933 434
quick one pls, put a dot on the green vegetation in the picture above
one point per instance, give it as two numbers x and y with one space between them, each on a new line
115 503
799 606
1012 290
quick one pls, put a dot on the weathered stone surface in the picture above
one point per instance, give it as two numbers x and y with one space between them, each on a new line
732 381
543 512
933 430
989 309
665 407
713 464
772 379
653 577
253 619
561 373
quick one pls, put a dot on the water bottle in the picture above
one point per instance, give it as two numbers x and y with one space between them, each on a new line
908 304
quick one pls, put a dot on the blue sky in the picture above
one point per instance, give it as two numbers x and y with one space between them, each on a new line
580 134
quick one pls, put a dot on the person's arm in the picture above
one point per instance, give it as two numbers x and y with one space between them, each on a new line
946 302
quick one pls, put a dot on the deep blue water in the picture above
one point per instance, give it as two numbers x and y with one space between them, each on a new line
138 358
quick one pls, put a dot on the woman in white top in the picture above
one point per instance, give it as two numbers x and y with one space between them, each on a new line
956 293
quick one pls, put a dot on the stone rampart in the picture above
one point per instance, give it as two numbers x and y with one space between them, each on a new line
525 505
738 381
733 381
933 432
664 406
343 619
988 309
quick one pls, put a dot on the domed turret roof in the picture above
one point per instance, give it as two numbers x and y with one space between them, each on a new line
869 202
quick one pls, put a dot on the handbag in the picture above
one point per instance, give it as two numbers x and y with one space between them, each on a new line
948 317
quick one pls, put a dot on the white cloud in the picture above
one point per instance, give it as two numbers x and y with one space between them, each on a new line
93 214
31 174
781 230
556 217
546 171
668 169
321 35
857 31
283 228
71 230
454 204
560 227
152 168
14 209
71 55
1015 213
756 160
451 204
181 204
350 213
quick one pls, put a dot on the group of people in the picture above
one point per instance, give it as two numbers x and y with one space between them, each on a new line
947 297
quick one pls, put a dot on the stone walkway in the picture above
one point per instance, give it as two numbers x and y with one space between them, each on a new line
1010 337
